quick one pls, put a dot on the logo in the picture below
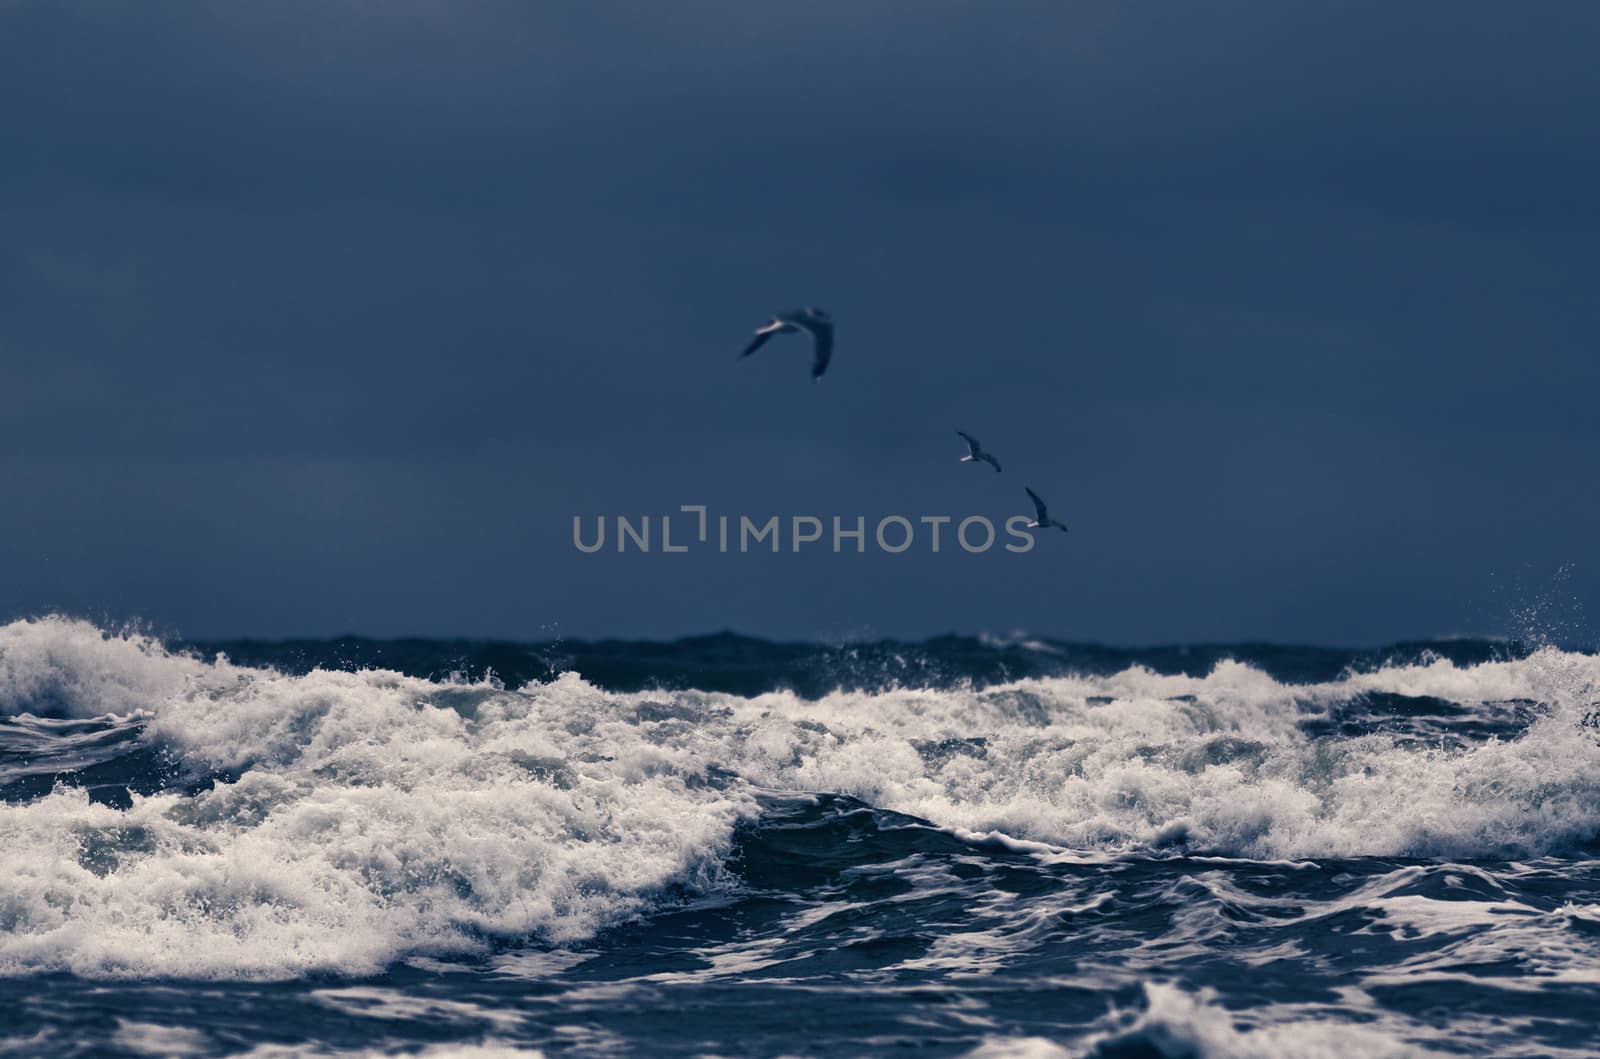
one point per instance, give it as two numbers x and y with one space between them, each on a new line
693 528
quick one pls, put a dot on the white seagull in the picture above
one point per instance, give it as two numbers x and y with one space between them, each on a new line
811 320
1041 518
975 452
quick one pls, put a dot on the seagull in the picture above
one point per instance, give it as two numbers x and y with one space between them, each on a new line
975 452
813 321
1041 518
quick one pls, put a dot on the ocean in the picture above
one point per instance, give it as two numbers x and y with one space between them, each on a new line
724 846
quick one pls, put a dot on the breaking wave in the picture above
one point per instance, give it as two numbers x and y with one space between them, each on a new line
170 814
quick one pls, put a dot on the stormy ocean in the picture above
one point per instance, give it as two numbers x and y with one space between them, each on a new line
725 846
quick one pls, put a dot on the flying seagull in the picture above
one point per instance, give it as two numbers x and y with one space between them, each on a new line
1041 518
811 320
975 452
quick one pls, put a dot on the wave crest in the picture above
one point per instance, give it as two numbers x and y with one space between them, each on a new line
339 821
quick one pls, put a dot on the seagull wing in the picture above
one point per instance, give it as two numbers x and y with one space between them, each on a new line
764 333
822 333
972 442
1038 505
1062 526
991 461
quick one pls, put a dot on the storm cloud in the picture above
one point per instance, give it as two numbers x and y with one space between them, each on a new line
330 317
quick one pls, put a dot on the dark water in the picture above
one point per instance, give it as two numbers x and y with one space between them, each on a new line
723 846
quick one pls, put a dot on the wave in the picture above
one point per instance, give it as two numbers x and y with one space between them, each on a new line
338 821
1177 1023
1181 1025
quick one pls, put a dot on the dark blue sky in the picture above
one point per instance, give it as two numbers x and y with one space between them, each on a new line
325 317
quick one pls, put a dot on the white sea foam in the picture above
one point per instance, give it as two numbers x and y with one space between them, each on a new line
1019 1048
366 817
1177 1024
1218 761
484 1050
54 667
367 821
168 1042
